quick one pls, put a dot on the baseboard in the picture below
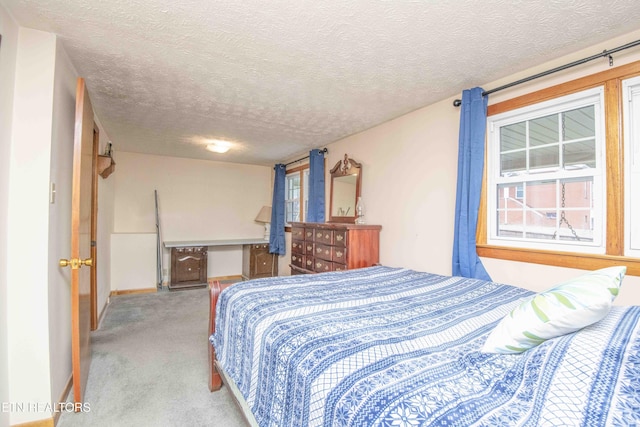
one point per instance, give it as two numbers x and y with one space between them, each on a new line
237 277
63 397
133 291
104 311
45 422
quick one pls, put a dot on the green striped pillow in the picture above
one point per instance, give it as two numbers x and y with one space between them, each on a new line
563 309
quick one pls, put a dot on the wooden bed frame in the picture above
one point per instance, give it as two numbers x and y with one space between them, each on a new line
215 378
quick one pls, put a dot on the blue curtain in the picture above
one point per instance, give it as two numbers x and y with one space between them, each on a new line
276 236
473 123
316 208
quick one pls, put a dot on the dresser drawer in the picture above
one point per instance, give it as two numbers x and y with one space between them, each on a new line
308 234
321 265
308 262
340 237
298 260
298 246
297 233
330 253
339 254
339 267
323 236
308 248
323 251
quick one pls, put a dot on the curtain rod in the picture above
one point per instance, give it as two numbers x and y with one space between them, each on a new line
324 150
605 53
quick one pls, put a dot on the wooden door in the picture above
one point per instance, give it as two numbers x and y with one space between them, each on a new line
81 261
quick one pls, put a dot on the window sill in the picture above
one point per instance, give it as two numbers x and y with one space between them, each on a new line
560 259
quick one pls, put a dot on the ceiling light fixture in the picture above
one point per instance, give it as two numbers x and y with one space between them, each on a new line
218 146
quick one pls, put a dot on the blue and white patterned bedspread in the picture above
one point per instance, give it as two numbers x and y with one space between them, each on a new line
394 347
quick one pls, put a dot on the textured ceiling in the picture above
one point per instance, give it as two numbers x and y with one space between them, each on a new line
280 77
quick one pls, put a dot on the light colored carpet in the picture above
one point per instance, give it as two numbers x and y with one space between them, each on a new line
149 366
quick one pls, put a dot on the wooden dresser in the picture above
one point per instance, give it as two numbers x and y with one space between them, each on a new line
320 247
258 262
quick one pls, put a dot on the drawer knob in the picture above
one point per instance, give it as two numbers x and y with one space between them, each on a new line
293 257
318 264
339 237
339 254
308 262
309 248
319 235
319 250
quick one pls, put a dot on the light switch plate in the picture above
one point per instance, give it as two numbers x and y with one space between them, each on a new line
52 193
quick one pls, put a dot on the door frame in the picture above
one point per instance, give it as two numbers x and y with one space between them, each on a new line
94 230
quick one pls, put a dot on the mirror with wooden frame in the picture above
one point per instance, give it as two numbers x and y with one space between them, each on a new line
346 178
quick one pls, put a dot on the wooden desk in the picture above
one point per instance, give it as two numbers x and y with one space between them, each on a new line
189 260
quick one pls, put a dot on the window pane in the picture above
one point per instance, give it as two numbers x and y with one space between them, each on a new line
293 186
579 123
513 137
292 211
510 210
512 163
305 181
579 155
544 158
550 210
543 131
576 225
292 198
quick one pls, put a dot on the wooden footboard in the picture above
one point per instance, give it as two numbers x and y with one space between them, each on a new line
215 380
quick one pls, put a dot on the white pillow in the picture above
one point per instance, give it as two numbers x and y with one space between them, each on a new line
563 309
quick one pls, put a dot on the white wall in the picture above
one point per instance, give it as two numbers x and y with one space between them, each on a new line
198 200
409 180
28 252
133 272
105 228
64 100
8 49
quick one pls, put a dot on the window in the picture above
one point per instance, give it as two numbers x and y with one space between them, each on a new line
631 111
546 180
296 194
595 159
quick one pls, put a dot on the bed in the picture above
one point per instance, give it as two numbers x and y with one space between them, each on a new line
384 346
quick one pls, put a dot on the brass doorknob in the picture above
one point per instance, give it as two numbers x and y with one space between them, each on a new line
64 262
88 262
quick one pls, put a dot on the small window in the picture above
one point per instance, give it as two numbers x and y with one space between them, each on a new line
546 175
296 195
292 197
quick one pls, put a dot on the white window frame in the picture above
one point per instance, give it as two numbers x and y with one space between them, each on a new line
588 97
304 193
631 121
